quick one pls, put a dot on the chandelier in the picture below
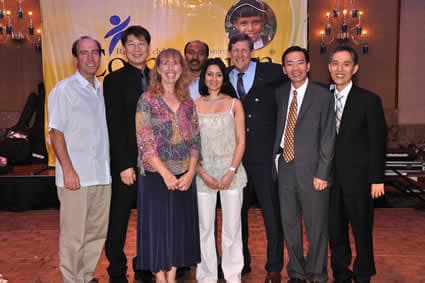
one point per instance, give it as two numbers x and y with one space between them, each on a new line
344 26
17 26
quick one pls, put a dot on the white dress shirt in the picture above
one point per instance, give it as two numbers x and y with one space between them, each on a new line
343 94
300 97
194 89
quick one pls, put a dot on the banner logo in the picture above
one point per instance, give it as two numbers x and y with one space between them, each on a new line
116 31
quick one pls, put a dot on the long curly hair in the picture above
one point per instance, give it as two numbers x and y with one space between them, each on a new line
182 85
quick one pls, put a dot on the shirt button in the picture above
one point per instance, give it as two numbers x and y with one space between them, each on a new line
256 99
247 130
249 115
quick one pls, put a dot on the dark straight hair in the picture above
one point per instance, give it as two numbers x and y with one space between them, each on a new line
296 48
349 49
137 31
225 87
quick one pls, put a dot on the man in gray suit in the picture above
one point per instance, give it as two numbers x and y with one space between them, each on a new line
305 136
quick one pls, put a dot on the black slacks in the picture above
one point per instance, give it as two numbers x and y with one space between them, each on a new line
261 186
353 205
123 199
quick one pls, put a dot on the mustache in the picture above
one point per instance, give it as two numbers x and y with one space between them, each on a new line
195 60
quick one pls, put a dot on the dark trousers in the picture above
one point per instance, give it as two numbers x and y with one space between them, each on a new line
123 199
355 208
261 186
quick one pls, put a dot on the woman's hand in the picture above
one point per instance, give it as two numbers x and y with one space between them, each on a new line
185 181
170 181
209 180
226 180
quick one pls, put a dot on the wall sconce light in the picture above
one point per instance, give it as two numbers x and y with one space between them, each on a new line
15 26
344 26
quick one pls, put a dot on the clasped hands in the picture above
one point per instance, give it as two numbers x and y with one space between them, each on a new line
214 184
180 184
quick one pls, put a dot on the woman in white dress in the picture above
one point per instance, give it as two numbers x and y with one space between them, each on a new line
222 128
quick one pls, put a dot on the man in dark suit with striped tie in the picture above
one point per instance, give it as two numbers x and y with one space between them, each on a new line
358 169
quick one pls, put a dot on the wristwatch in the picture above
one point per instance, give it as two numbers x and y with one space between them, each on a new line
233 169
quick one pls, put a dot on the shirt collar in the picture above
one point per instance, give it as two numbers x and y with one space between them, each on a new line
145 71
301 89
251 68
258 43
344 91
84 83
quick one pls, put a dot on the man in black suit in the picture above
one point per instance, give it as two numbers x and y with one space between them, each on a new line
122 89
359 169
304 144
254 83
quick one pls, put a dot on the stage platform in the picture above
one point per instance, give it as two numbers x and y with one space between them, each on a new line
28 187
32 187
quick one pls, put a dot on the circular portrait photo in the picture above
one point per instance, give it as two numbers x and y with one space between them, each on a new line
253 17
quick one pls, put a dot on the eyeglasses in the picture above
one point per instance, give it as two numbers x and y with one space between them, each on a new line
136 44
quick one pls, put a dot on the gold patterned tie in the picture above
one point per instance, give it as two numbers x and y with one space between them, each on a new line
288 144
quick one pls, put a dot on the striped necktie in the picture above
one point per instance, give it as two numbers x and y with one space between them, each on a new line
288 144
338 110
239 86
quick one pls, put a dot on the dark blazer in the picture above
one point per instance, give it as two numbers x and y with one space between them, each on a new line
314 131
260 113
122 89
361 142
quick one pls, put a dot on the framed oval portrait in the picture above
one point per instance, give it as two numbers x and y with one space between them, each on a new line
253 17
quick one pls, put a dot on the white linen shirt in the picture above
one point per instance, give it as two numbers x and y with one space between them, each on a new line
77 109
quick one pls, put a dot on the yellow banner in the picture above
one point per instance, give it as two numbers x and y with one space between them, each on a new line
171 23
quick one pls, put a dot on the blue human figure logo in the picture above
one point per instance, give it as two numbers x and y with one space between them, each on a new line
116 31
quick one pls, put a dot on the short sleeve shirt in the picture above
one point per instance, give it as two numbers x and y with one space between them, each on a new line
77 109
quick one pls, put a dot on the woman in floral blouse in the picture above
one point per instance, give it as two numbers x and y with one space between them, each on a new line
169 144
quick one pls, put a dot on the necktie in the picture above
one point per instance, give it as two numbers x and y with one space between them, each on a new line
288 144
239 86
338 110
144 82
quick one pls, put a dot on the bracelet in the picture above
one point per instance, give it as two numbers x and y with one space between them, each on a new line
233 169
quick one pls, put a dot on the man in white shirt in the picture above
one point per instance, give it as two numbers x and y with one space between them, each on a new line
78 133
195 53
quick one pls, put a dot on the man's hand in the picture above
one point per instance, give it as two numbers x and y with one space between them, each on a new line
319 184
70 179
128 176
377 190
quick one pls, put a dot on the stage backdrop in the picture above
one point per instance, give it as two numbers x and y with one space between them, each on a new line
171 24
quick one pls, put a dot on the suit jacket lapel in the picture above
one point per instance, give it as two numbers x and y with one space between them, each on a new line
307 100
283 101
348 108
258 78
